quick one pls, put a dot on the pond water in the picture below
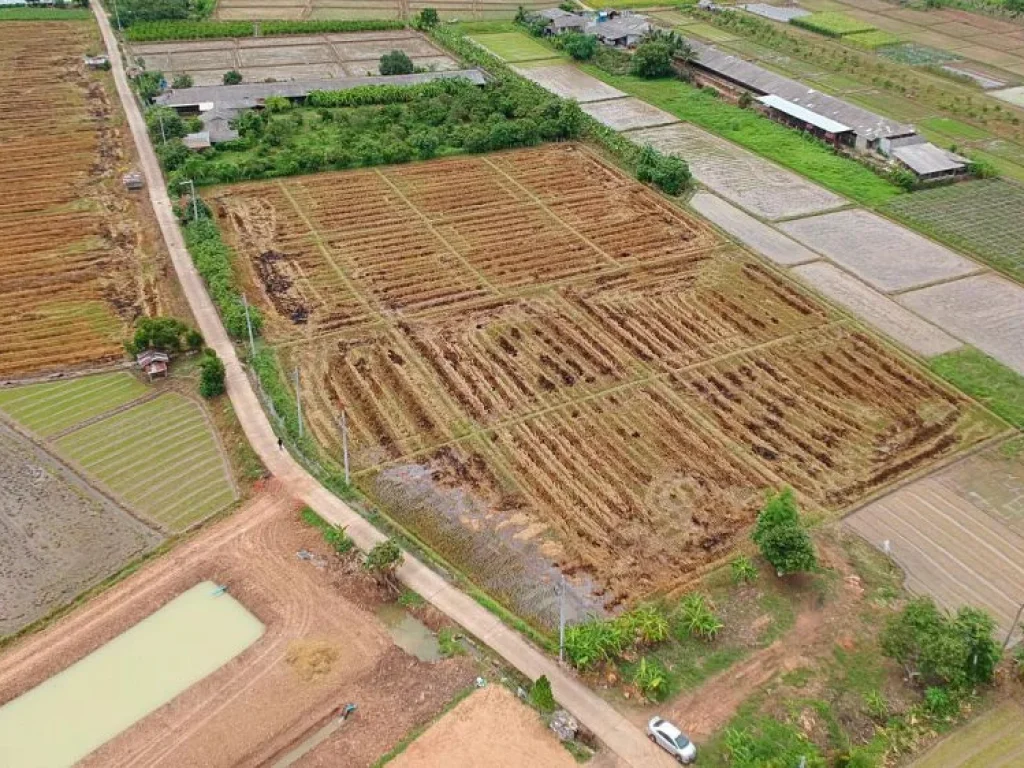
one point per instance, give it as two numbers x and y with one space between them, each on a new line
409 633
65 718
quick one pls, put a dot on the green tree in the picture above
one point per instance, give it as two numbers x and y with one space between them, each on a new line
163 124
652 60
667 172
162 333
427 19
959 652
383 561
232 77
541 696
396 63
148 84
182 81
580 47
781 536
211 374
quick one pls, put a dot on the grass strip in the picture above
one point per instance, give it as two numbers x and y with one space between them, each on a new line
45 14
987 380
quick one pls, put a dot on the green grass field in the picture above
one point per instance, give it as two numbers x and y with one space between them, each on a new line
954 128
513 46
984 379
982 217
876 38
159 457
758 134
832 24
44 14
50 408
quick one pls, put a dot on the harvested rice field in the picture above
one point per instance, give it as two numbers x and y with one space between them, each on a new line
77 255
562 372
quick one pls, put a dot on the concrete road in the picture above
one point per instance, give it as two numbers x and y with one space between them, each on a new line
628 742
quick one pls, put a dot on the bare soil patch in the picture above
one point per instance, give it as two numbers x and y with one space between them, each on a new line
322 648
58 536
490 728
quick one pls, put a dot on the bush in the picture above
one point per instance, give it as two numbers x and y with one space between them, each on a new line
198 30
182 81
743 571
232 77
211 375
427 19
940 703
667 172
212 259
163 333
698 618
148 85
335 537
383 561
781 537
652 60
163 123
596 641
581 47
645 626
650 678
541 696
959 652
396 63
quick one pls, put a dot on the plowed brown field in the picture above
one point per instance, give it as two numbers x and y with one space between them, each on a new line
69 242
546 367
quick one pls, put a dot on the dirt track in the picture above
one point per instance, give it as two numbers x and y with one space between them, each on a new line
320 650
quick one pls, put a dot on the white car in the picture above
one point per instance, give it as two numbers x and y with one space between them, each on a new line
672 740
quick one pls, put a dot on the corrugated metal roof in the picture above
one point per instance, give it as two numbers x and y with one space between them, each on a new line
775 12
248 95
804 114
924 159
758 79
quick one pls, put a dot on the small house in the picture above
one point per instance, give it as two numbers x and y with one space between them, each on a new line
153 363
97 62
133 180
558 22
197 141
623 32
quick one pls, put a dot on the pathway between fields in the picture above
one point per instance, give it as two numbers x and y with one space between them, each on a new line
617 733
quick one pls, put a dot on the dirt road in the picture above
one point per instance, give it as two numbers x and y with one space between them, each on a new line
620 736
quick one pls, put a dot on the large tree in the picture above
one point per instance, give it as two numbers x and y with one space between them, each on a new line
781 536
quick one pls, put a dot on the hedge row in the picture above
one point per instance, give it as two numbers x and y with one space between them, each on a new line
213 260
365 95
197 30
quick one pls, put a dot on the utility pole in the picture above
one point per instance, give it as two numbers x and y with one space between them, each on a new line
344 442
163 133
1013 626
560 591
298 402
117 15
195 201
248 323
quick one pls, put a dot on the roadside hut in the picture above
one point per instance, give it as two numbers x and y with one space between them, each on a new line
153 363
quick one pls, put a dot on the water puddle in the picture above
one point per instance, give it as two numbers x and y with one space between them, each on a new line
409 633
492 545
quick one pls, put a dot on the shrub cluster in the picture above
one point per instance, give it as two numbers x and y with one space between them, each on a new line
336 537
781 536
450 116
211 374
146 30
596 640
213 260
166 334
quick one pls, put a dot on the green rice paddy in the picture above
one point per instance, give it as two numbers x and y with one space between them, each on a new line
160 458
50 408
65 718
513 46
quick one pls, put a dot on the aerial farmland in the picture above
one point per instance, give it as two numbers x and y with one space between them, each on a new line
571 373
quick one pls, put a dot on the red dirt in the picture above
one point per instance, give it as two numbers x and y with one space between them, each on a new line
266 699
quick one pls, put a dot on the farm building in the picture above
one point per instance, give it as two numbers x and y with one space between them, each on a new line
153 363
624 31
218 105
559 21
831 119
734 75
